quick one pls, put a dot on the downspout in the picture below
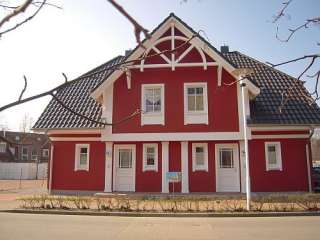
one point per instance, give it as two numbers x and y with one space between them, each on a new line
246 148
50 168
308 151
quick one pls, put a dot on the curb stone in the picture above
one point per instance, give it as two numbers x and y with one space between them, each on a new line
155 214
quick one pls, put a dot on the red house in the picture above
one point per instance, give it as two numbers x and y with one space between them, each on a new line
198 118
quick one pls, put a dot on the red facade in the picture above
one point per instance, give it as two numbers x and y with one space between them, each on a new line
210 156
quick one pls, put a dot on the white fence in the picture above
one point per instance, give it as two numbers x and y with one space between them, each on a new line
23 170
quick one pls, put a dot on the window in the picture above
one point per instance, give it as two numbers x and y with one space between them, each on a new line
82 157
17 138
195 99
34 155
273 156
45 153
226 158
3 147
152 101
24 154
150 157
195 103
199 157
125 158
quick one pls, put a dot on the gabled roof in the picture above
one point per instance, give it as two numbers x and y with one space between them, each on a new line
264 109
272 83
77 96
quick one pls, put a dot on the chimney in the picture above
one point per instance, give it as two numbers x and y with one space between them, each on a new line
127 52
224 49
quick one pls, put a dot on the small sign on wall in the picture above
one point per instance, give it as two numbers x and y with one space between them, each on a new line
174 177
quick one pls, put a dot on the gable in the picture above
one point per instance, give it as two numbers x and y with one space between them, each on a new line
172 33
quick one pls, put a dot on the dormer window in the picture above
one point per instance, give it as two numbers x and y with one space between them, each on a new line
152 101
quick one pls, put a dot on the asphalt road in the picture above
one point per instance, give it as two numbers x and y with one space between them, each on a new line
58 227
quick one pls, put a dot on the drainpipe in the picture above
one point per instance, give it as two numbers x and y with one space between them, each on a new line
246 148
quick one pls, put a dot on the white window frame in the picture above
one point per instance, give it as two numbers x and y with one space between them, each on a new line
278 165
34 157
25 155
45 152
150 118
196 167
145 166
196 117
3 146
77 166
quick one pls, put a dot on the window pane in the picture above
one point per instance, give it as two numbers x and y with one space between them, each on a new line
153 99
199 103
83 158
199 90
83 150
2 147
150 159
191 91
191 103
272 155
24 150
125 158
150 149
199 156
226 158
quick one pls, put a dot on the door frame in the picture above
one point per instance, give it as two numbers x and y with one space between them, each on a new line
236 158
115 155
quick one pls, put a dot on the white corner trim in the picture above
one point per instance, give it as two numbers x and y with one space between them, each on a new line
219 73
184 167
165 166
196 117
278 165
145 167
205 166
148 118
308 168
50 168
108 167
77 166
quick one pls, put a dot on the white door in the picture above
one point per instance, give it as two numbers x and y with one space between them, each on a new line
124 168
227 168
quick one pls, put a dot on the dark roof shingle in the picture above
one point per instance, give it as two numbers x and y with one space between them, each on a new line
77 97
272 83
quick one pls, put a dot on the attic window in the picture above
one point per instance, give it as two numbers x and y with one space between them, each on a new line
17 138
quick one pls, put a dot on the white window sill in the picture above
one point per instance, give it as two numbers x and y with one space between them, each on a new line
274 169
200 170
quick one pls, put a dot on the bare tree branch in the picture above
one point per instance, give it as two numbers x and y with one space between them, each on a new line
138 29
282 11
315 20
25 20
15 12
24 88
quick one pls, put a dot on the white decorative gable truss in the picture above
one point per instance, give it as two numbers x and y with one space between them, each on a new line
172 45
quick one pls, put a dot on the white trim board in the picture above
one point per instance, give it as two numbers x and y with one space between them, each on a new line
280 136
75 139
174 136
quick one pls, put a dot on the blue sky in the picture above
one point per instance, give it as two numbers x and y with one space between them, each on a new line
87 33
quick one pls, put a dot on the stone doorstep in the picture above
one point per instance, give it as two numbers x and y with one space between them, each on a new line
159 214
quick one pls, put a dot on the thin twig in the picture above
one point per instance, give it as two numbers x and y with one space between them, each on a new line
24 88
138 29
282 11
25 20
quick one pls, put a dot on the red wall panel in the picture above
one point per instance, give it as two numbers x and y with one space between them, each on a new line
175 163
64 176
148 181
222 101
202 181
293 177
